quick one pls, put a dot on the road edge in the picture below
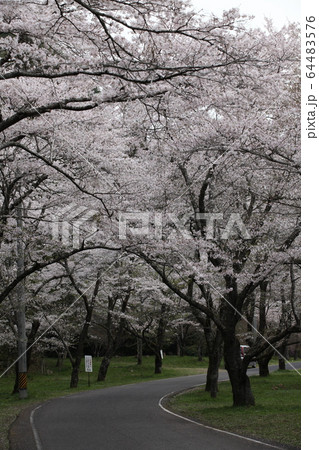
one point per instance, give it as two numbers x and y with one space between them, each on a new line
22 437
166 398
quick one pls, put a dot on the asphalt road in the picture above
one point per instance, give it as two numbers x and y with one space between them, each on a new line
121 418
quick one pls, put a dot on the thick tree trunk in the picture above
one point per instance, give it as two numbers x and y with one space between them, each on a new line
89 306
263 368
105 363
251 312
158 363
214 347
75 373
282 364
262 306
212 376
242 393
114 334
79 350
282 361
263 361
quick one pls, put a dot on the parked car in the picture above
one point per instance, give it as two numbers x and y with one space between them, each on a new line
243 350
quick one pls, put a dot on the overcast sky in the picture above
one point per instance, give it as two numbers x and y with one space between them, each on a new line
281 11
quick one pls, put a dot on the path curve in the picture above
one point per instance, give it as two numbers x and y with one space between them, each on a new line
121 418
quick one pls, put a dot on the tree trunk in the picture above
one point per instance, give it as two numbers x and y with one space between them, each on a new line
75 373
282 364
262 306
20 315
103 368
212 376
200 352
31 338
158 363
282 361
114 334
214 346
76 362
263 361
263 367
180 341
139 348
160 339
242 393
251 312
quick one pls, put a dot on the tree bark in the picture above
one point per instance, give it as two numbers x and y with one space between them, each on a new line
214 347
200 352
180 341
242 393
262 306
114 334
31 338
263 361
76 362
20 314
160 339
282 361
178 347
105 363
158 363
282 364
75 373
251 311
139 347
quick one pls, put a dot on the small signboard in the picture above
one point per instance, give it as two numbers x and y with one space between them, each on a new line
161 353
88 363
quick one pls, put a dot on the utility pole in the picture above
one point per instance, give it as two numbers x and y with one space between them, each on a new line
20 312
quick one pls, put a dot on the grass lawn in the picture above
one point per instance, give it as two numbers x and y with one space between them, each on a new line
55 383
276 416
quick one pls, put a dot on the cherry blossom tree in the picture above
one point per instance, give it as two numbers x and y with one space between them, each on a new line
230 166
144 111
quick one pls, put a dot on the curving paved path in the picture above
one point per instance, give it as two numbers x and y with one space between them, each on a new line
121 418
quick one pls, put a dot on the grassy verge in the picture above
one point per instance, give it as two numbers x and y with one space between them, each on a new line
55 382
275 418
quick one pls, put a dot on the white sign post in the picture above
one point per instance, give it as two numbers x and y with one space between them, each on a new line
88 366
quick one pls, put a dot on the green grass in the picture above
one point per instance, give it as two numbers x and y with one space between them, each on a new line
275 418
55 383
